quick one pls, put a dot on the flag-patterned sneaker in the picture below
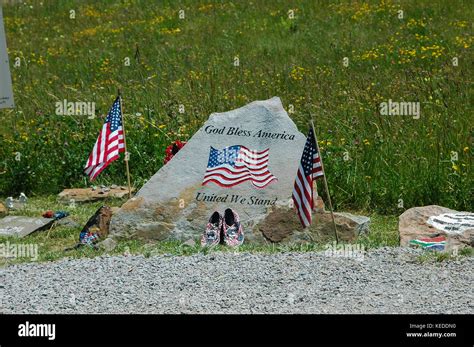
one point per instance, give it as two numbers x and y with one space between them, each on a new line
212 235
233 232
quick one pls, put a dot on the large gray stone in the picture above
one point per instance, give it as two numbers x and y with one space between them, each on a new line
21 226
174 203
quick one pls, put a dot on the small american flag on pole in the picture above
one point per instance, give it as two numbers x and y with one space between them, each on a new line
309 169
109 143
237 164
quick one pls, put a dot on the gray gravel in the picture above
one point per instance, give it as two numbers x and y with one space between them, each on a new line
387 280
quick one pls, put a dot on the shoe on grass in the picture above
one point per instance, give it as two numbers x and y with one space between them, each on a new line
212 235
232 229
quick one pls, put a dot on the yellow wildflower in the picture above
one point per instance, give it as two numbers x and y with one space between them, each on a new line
87 32
91 12
298 72
170 31
206 7
157 20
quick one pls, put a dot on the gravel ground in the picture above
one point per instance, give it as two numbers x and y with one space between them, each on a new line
387 280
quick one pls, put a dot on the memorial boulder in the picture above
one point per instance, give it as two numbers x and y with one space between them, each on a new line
245 159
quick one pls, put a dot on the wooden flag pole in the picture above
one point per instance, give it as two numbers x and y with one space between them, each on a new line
125 146
325 180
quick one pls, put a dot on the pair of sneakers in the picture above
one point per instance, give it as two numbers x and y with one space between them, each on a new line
226 228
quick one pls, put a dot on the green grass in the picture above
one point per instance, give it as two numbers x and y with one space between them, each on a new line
390 159
383 232
438 257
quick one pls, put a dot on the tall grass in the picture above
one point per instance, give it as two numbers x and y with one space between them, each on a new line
385 163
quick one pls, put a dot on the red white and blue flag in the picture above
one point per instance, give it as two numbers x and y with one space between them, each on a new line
310 168
433 243
109 143
237 164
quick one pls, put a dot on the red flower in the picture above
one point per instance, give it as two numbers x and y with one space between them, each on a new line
172 149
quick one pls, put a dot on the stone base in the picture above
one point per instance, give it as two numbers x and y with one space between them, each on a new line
279 225
282 225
